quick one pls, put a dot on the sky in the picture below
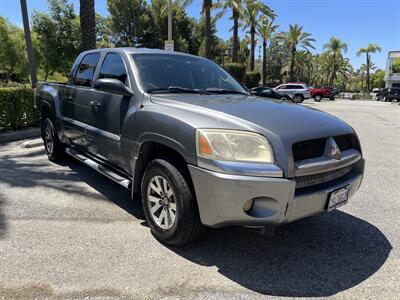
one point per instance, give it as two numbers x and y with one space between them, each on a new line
356 22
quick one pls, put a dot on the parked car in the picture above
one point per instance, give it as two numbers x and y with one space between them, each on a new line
270 93
201 151
388 94
374 94
299 91
323 92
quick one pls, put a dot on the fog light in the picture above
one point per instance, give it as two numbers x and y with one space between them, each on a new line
248 205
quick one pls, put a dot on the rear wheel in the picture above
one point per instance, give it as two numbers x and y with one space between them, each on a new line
298 98
55 150
283 99
317 98
169 204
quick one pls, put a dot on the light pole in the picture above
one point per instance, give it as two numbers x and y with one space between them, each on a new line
28 40
169 44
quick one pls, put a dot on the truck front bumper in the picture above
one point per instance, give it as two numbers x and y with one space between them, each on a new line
223 198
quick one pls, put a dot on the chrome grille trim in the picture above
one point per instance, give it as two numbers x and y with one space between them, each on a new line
324 164
318 178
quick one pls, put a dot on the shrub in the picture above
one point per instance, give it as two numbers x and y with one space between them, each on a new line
237 70
252 79
16 109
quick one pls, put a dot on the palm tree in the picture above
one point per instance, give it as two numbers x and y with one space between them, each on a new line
236 6
266 30
299 64
295 38
335 47
88 24
251 18
372 48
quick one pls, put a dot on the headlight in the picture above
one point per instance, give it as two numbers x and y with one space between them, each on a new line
230 145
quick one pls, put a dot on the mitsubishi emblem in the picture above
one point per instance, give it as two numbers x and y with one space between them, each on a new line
332 150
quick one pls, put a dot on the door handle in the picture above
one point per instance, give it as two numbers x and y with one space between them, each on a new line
94 104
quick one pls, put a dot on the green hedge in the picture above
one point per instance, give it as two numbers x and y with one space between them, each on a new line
16 109
237 70
252 79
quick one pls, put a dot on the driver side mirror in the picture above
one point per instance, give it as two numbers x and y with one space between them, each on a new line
113 86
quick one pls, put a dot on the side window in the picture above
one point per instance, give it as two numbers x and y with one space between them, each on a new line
282 87
86 69
113 67
71 75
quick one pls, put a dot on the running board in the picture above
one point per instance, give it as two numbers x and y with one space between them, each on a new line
126 183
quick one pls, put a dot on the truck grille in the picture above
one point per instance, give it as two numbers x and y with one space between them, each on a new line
315 148
313 179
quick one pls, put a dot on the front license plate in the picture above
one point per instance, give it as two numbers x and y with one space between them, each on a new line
338 198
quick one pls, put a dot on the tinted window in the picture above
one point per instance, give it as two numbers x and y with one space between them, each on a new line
282 87
267 91
86 69
113 67
294 87
159 71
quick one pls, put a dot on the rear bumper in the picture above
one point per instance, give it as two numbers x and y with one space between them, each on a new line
221 197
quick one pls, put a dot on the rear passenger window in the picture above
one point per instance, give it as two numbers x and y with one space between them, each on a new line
113 67
86 69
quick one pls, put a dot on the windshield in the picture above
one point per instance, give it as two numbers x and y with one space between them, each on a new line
172 73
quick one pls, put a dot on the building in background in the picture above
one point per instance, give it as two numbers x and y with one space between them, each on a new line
392 79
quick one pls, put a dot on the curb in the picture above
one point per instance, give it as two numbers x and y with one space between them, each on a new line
32 143
19 135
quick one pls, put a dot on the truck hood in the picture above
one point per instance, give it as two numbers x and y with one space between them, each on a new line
290 122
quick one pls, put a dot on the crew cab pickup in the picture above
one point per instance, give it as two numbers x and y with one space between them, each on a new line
323 92
187 139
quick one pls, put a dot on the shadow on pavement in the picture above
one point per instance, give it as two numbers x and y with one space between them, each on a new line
316 257
3 224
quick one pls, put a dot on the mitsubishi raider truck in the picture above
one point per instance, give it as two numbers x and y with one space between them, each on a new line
182 132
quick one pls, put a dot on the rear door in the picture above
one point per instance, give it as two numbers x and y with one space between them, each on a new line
108 115
76 101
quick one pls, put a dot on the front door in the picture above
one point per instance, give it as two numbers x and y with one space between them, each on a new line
108 112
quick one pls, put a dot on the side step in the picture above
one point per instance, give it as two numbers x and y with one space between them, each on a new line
125 182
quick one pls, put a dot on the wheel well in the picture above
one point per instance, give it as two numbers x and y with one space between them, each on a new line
45 112
153 150
299 95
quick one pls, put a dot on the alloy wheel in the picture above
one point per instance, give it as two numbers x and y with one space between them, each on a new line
48 138
161 202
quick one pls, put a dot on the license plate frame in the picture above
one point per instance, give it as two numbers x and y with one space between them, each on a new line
338 198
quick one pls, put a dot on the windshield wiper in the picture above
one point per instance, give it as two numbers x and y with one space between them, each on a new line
223 91
178 89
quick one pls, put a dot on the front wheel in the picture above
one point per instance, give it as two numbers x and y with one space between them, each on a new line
317 98
169 204
298 99
55 150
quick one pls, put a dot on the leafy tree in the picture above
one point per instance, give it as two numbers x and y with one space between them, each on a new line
88 24
276 56
183 27
129 21
216 42
295 38
377 79
236 7
335 47
372 48
104 36
266 30
13 61
396 65
59 34
252 10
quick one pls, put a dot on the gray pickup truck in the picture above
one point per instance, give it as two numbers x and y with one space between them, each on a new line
199 148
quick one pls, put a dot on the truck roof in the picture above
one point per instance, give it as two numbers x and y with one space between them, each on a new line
133 50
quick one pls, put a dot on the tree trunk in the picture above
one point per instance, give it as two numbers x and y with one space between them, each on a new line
88 24
235 38
264 63
292 64
252 46
207 28
333 74
368 83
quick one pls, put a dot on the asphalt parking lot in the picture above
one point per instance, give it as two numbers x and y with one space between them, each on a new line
68 232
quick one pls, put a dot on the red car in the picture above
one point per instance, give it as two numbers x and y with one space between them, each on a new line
323 92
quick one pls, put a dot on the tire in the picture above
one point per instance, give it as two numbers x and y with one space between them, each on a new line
317 98
283 99
385 98
160 200
298 99
332 98
55 150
